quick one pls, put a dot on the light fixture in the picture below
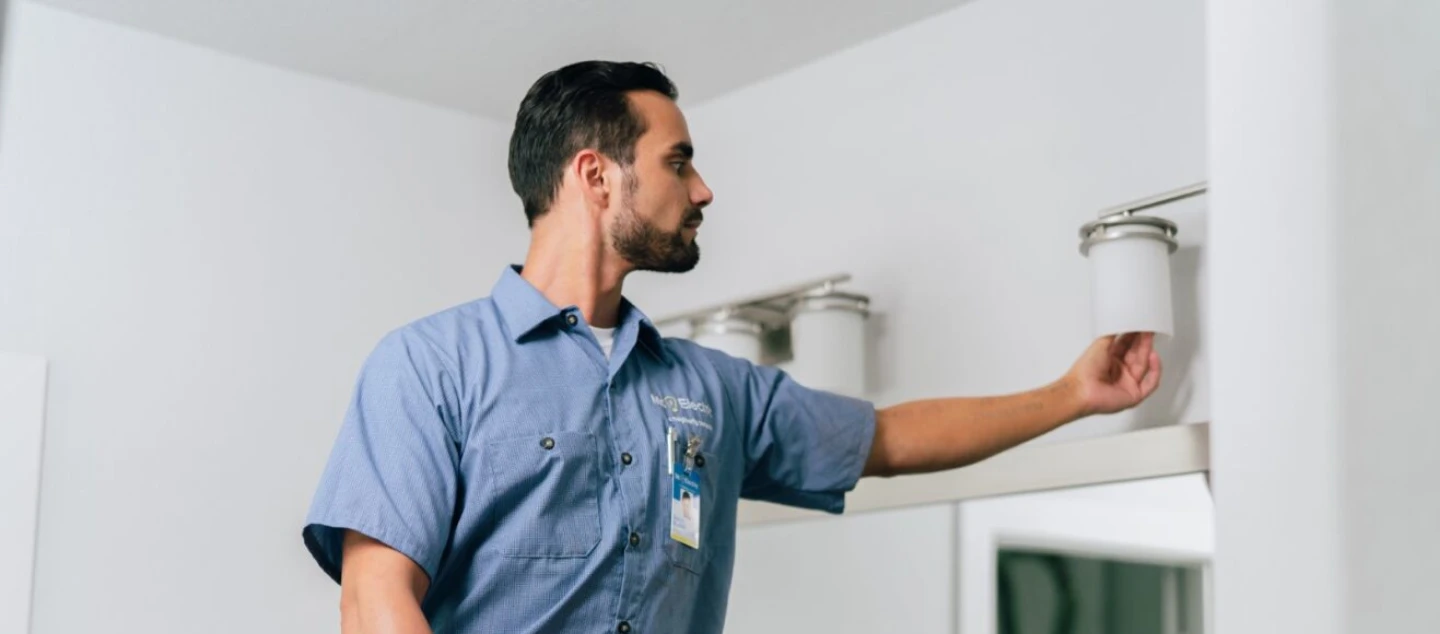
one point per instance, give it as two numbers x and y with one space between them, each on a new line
827 341
732 331
1130 266
813 330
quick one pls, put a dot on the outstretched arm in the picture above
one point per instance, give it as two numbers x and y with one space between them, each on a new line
1113 374
380 590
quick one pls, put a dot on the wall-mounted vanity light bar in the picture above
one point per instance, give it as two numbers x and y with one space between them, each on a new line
813 330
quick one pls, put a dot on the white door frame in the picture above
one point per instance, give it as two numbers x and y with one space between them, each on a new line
22 424
1164 521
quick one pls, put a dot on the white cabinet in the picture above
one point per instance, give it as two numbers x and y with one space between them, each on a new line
882 571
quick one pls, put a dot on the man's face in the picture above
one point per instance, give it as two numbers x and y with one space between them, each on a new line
660 201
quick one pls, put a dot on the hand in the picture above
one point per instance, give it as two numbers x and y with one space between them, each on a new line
1116 373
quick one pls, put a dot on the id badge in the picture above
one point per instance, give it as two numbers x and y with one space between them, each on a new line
685 508
684 501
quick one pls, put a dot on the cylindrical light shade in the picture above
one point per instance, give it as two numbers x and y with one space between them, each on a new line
1130 275
827 339
730 333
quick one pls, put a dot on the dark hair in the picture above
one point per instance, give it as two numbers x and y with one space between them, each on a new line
583 105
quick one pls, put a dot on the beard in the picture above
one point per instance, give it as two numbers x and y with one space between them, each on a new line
646 246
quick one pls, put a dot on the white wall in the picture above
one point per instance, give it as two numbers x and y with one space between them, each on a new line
205 249
949 166
1326 167
1388 125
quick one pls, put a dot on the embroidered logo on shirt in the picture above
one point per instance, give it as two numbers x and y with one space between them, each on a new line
676 405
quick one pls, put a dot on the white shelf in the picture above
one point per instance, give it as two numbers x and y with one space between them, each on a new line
1148 453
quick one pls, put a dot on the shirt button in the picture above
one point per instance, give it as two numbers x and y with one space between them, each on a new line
548 443
624 627
626 458
699 460
571 319
634 539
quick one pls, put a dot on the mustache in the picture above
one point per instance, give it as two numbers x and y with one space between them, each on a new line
694 216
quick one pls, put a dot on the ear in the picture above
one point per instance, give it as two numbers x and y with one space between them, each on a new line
590 167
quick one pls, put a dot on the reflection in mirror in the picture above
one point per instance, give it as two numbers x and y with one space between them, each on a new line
1053 593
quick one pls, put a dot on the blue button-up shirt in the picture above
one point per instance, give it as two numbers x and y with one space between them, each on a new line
489 443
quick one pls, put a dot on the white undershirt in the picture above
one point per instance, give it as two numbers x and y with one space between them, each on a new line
606 337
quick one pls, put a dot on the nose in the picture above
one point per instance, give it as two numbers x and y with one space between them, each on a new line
700 194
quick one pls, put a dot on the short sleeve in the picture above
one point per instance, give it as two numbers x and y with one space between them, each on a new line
392 471
805 447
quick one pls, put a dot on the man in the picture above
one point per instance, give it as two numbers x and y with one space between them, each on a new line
513 464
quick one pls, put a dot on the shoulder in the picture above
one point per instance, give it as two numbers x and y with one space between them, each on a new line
448 337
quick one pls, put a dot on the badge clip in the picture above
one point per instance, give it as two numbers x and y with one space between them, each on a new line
692 449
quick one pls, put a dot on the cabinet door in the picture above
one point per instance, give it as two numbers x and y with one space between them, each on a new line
886 571
22 409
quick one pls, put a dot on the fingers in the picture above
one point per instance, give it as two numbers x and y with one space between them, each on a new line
1106 343
1151 379
1137 358
1119 345
1128 360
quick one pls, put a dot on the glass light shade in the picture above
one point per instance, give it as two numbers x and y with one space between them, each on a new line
1130 280
729 333
827 339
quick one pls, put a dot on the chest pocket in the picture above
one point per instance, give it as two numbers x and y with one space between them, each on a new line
680 555
546 490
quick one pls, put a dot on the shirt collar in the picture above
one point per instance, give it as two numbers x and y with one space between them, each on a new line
649 335
524 309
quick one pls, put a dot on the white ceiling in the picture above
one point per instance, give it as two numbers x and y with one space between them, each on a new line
481 55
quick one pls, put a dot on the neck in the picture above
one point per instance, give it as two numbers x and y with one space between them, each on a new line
575 268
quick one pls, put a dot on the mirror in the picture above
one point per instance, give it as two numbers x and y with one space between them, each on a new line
1123 557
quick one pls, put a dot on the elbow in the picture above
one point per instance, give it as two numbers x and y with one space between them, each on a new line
881 471
882 462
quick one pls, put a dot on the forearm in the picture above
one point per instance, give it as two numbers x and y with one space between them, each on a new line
380 611
947 433
380 590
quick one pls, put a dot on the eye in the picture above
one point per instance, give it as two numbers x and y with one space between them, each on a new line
678 165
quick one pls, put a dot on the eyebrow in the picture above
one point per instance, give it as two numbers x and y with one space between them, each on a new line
684 149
